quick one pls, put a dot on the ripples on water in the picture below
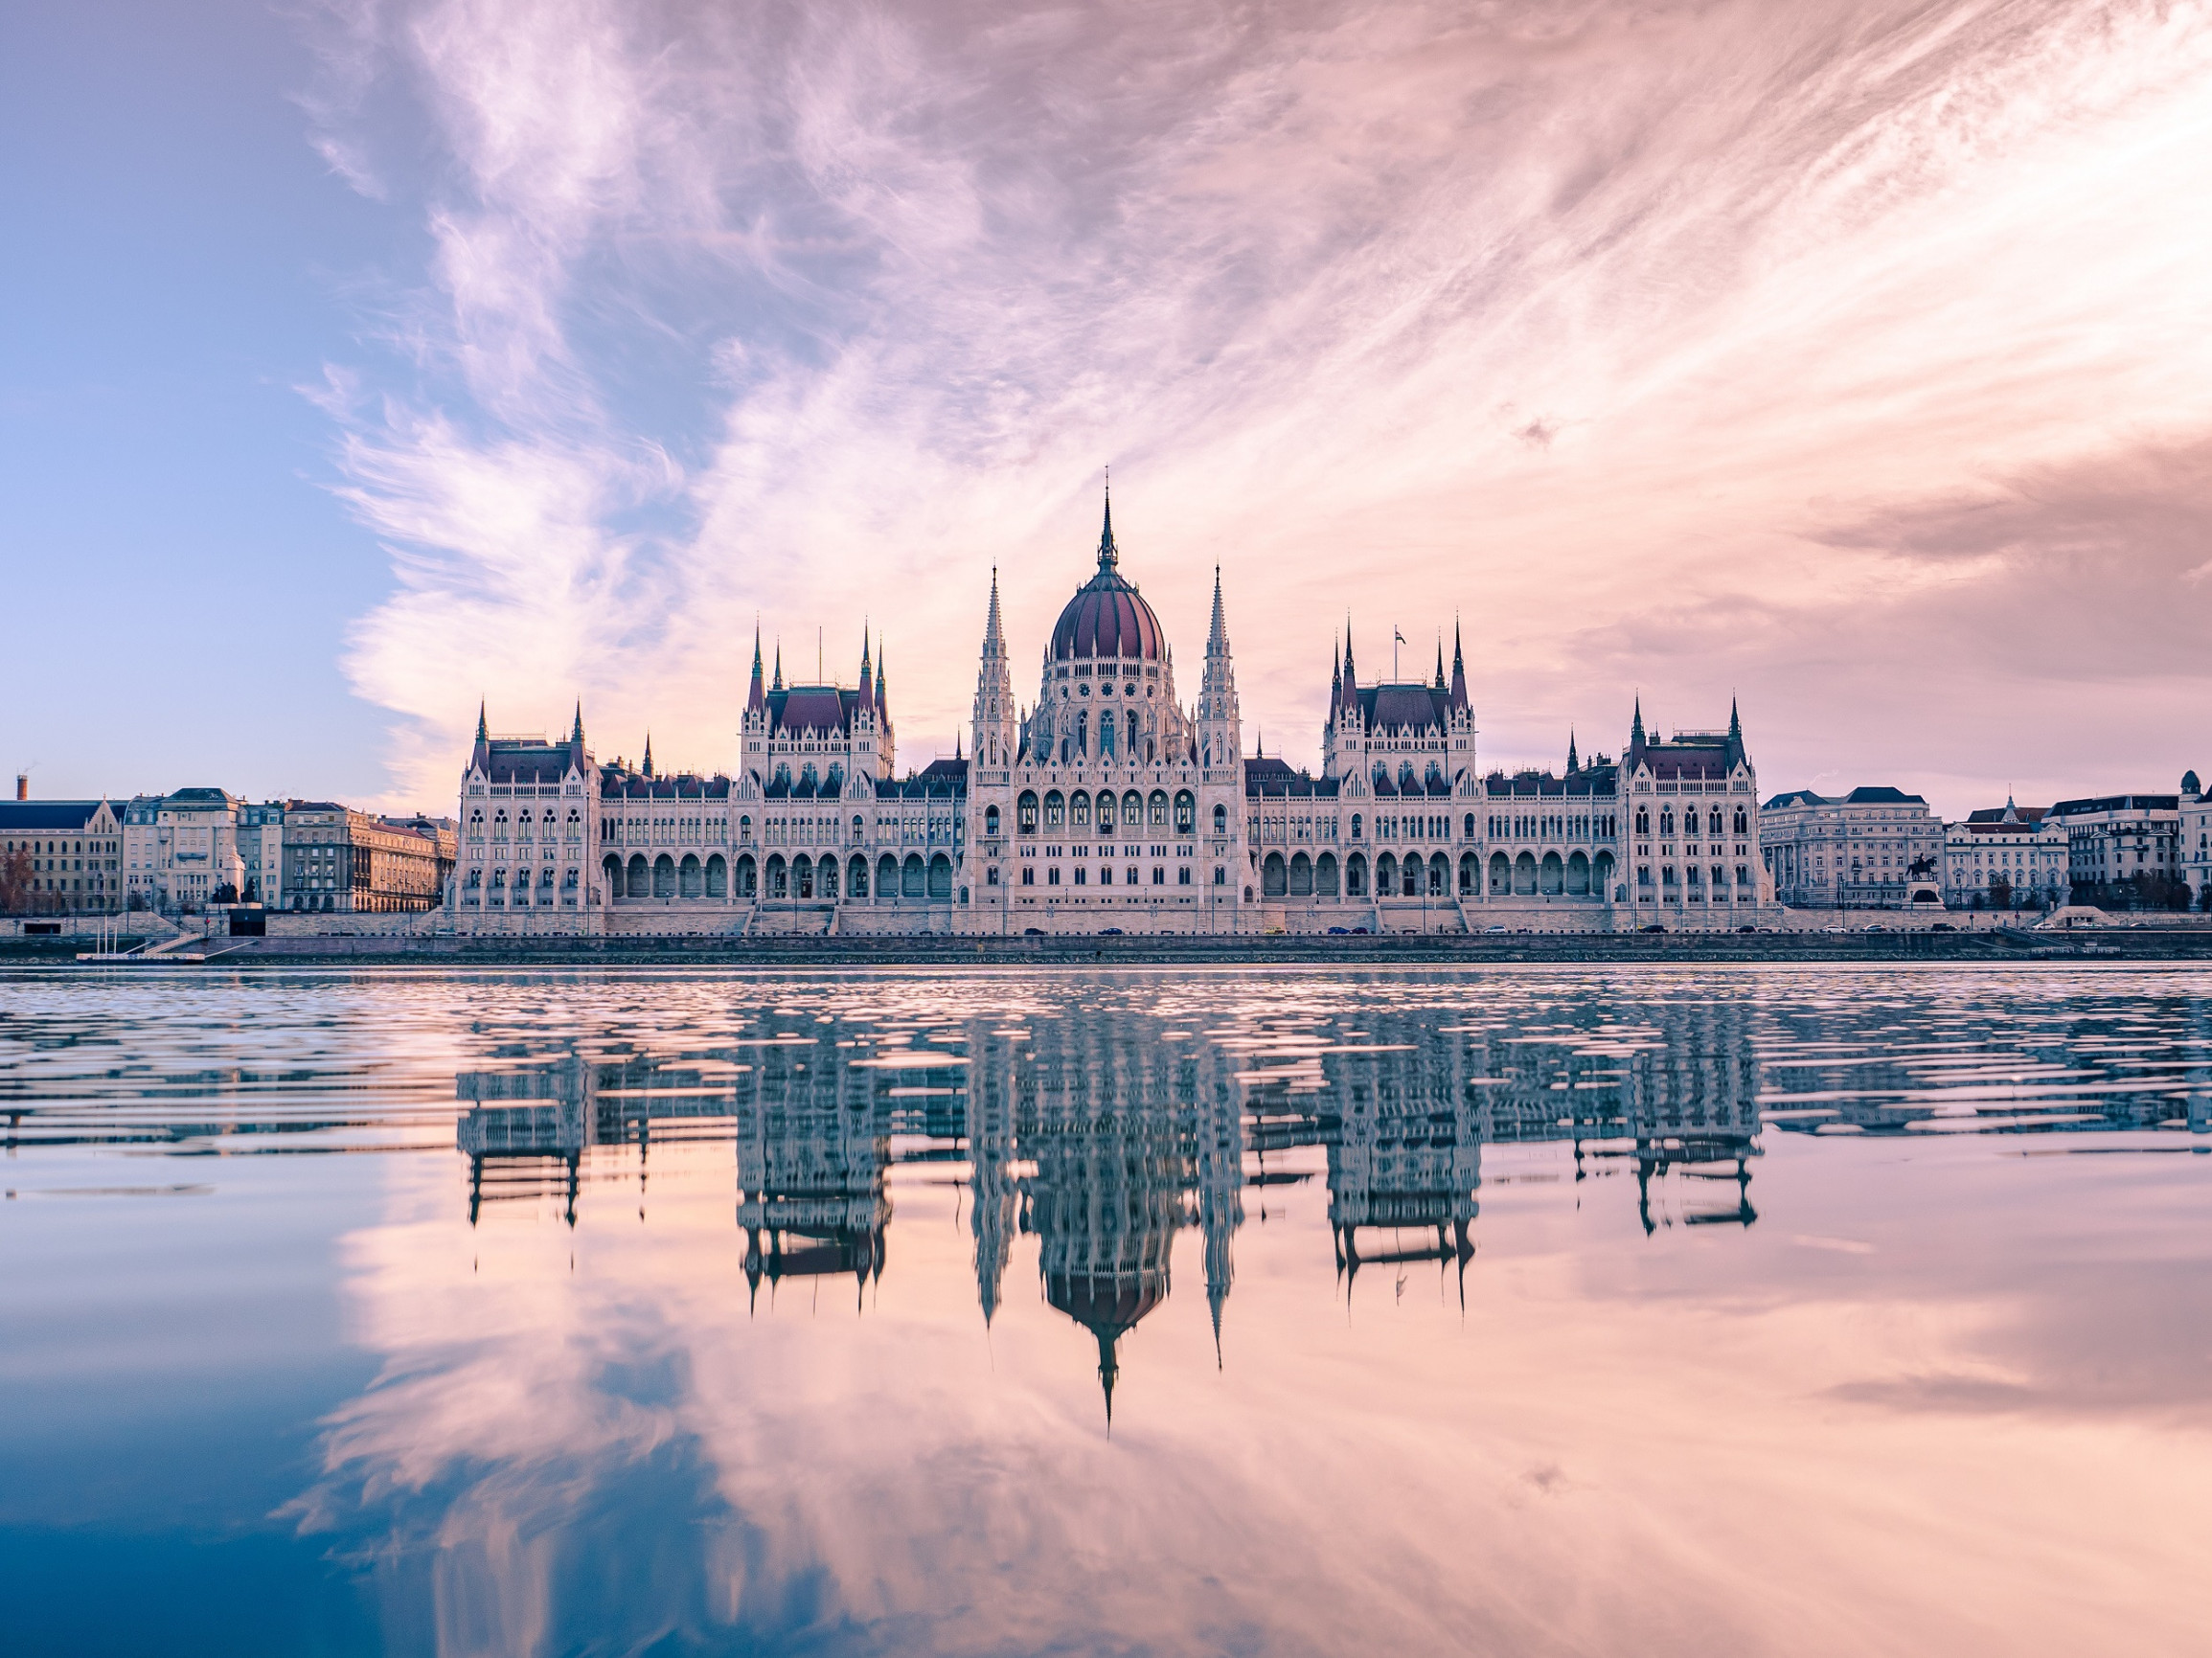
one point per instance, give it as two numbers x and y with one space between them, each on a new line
1527 1310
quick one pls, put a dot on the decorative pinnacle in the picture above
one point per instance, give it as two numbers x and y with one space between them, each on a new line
1109 555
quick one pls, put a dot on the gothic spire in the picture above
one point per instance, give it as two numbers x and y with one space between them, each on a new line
754 701
1573 765
867 671
1218 635
1440 659
1458 668
779 685
1109 555
483 731
1735 722
1636 729
649 754
882 697
993 631
576 732
1335 679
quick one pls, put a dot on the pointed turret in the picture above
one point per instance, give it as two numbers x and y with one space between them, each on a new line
1109 557
1335 679
756 697
779 684
1220 730
995 719
867 669
649 754
483 728
1735 722
1573 763
882 697
1458 670
576 731
1440 662
1636 727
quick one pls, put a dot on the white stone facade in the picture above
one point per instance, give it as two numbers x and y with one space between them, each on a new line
1875 848
2005 858
1107 805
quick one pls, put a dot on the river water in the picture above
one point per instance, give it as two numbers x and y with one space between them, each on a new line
1738 1310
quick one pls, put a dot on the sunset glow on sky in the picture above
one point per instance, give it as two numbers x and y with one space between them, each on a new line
1852 360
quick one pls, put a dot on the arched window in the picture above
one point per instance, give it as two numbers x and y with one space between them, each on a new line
1055 812
1667 819
1105 812
744 829
856 878
858 827
1025 813
1643 821
1078 812
1132 734
1358 826
1132 812
1106 734
778 876
1186 812
1743 822
1467 829
990 821
748 878
1220 820
1083 732
1160 808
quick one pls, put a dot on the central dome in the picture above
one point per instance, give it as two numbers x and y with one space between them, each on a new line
1108 616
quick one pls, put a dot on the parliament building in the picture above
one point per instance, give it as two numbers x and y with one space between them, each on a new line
1107 805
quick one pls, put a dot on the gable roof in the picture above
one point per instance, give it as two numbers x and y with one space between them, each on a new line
48 816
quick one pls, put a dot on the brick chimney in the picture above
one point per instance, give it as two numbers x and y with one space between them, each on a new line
22 786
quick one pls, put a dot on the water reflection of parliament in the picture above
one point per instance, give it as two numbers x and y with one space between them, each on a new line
1102 1136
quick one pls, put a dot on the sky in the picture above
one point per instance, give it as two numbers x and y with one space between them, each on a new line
363 360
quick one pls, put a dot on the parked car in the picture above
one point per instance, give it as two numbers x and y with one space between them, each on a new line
1943 927
1655 927
1501 927
1338 932
1747 928
1109 932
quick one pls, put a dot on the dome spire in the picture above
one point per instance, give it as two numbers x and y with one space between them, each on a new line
1109 557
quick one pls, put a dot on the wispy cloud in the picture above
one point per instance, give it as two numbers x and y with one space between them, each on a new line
1703 348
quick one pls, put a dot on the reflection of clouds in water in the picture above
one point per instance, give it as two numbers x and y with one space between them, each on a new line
1623 1439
